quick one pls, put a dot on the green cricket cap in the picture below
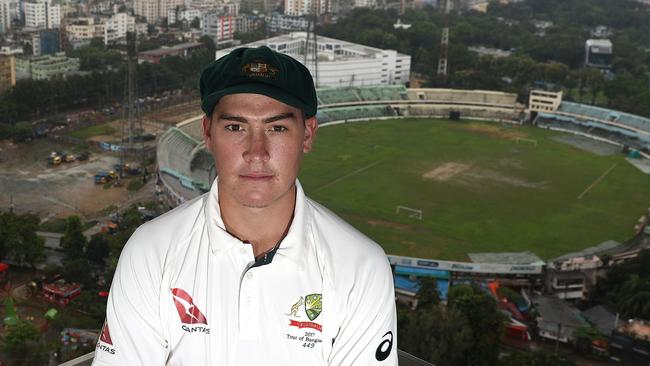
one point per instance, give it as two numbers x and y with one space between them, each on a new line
260 71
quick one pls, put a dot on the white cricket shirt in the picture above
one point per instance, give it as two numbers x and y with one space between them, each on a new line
186 292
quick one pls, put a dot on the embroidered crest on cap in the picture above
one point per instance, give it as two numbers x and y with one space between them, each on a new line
260 69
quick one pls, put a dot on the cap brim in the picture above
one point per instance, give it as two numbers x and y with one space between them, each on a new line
210 101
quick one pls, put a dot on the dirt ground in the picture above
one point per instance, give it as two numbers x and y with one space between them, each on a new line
27 181
495 131
470 174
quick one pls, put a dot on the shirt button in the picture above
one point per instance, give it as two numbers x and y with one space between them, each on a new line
242 250
249 275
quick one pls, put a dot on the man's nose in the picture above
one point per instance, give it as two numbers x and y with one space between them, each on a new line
257 149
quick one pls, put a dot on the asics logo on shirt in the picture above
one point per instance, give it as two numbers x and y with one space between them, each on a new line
187 311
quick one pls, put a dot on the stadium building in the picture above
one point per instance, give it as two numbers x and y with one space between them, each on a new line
339 63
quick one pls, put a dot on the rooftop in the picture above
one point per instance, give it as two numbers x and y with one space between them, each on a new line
529 258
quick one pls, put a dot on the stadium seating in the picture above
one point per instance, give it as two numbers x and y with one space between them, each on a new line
606 115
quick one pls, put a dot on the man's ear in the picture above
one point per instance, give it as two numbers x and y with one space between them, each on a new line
206 123
311 126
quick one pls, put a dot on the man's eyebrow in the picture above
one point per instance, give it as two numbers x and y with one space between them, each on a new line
231 117
279 117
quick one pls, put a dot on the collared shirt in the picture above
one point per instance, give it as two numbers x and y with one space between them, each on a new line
186 292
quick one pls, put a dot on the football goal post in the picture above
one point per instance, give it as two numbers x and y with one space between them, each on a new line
413 213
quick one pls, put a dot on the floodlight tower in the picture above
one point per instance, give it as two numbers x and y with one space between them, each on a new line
443 67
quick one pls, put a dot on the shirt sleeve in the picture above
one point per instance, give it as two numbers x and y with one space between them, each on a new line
368 333
132 333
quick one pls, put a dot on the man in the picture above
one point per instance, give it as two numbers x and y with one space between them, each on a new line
253 272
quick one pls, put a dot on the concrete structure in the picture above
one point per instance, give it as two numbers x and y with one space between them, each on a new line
247 23
181 13
573 275
42 14
487 51
154 10
82 29
7 72
219 27
598 53
181 50
5 16
341 63
306 7
544 101
47 67
280 23
117 26
557 320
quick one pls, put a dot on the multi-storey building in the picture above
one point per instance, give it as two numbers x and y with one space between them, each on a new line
5 16
180 14
280 23
219 27
340 63
7 72
83 29
42 14
306 7
46 67
117 26
154 10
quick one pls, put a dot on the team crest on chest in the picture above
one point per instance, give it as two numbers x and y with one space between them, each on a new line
310 305
313 305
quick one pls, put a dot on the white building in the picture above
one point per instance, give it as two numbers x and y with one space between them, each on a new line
280 23
5 16
219 27
111 29
117 26
42 14
341 63
306 7
154 10
182 14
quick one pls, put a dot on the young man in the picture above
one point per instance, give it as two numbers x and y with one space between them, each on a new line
253 272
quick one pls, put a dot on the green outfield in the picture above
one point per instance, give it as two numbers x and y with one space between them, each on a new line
481 187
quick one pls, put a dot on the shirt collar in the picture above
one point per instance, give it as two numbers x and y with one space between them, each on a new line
292 246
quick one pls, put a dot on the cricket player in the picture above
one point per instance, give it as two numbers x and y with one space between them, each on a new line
252 272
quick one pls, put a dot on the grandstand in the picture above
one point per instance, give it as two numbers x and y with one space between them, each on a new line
599 123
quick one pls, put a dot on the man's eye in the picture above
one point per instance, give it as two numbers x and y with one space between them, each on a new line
278 128
234 128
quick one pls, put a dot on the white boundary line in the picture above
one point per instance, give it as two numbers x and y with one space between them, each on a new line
597 181
348 175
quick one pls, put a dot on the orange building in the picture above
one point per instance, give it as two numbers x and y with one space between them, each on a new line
7 72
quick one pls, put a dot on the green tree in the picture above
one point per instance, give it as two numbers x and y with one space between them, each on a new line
437 334
18 336
18 239
79 270
540 358
428 296
73 240
98 248
485 323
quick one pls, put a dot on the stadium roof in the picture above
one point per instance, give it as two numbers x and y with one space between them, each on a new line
335 49
529 258
601 248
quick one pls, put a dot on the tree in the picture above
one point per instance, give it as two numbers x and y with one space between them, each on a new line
79 270
98 248
19 335
73 240
196 23
18 239
437 334
428 294
485 322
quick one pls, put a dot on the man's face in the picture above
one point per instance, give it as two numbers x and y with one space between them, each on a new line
257 143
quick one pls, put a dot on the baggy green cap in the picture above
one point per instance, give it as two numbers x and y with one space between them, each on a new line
259 71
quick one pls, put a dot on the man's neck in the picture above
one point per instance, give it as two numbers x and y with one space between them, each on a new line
262 227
